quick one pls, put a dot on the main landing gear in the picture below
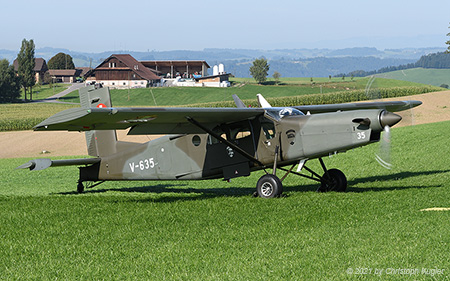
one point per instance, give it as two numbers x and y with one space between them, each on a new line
270 186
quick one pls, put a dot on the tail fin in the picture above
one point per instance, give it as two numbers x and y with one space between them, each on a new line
99 143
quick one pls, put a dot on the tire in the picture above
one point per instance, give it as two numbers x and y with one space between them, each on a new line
333 180
80 187
269 186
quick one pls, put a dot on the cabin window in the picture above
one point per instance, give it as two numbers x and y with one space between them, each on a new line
268 129
196 140
240 132
220 132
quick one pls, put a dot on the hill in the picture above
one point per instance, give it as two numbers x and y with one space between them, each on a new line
435 77
289 62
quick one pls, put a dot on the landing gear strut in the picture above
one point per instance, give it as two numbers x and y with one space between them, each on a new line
270 186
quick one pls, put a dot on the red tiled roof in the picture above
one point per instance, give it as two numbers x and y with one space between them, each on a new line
136 67
39 65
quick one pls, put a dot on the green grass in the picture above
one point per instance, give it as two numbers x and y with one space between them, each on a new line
435 77
174 96
23 116
210 230
44 91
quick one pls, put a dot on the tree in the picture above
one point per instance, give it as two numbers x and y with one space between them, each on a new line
276 75
448 43
259 70
9 83
61 61
25 60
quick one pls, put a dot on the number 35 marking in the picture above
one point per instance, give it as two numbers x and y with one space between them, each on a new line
361 135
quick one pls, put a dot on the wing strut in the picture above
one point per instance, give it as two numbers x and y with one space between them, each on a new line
232 145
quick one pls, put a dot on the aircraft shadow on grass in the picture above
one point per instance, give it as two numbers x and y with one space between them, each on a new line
194 193
208 193
396 176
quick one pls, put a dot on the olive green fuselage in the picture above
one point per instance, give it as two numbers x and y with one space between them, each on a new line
201 156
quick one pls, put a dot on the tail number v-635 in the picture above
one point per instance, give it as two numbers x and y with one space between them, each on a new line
142 165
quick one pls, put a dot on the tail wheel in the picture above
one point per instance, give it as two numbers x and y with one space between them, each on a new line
269 186
333 180
80 187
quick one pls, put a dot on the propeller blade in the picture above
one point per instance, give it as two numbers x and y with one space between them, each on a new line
384 155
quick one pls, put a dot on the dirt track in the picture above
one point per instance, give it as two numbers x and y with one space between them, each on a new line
435 108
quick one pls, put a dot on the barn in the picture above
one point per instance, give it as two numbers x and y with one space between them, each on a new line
122 71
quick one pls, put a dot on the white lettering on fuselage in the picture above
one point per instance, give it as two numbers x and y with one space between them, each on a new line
142 165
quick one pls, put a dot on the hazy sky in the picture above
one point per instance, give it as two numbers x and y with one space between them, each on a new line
108 25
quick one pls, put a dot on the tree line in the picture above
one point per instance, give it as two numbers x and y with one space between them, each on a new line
435 60
11 81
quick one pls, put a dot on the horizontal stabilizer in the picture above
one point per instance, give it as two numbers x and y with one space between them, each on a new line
44 163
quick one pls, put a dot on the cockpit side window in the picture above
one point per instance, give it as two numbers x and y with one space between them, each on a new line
232 132
268 129
218 130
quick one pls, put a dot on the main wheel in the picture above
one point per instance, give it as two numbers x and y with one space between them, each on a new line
80 187
333 180
269 186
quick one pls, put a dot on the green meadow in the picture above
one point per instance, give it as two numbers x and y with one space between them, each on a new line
245 88
215 230
430 76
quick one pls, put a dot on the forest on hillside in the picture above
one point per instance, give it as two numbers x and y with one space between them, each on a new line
439 60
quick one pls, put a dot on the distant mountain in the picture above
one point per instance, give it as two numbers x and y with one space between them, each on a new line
314 67
289 62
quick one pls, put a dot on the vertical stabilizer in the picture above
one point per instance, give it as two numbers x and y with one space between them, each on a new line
99 143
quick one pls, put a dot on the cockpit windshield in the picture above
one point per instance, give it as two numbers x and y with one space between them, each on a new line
289 111
279 113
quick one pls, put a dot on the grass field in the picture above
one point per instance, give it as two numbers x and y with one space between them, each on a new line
44 91
435 77
20 116
214 230
244 88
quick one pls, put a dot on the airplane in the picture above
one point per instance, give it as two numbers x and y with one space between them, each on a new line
213 143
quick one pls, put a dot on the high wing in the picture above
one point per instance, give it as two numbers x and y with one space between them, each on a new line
145 120
176 120
392 106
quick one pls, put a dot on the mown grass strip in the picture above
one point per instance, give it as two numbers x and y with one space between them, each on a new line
215 230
